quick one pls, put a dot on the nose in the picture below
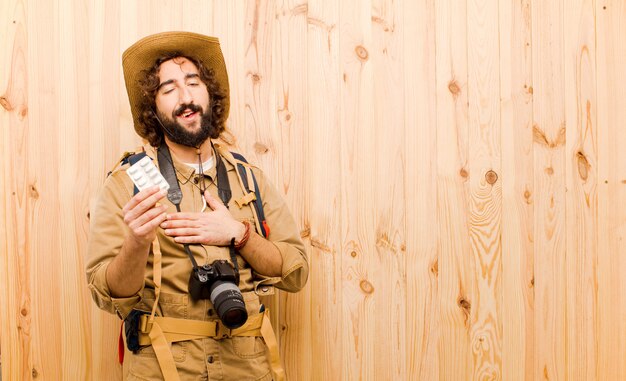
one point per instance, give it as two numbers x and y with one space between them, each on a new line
185 96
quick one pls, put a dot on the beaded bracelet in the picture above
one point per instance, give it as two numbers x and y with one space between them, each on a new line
246 235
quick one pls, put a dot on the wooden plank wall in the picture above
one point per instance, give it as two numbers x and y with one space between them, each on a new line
456 167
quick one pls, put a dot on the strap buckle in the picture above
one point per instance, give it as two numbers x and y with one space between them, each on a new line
222 331
145 326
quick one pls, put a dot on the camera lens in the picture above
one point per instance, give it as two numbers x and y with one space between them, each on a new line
228 303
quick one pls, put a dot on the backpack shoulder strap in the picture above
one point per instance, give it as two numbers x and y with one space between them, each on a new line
129 158
250 187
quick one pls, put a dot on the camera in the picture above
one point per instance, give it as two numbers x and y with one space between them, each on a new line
218 282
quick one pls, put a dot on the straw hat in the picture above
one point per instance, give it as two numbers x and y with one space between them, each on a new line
143 54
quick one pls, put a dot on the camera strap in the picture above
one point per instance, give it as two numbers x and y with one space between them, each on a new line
175 195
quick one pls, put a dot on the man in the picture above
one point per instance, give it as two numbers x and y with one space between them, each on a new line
145 255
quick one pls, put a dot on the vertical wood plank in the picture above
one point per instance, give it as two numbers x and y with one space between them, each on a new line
289 137
73 186
611 113
106 94
324 187
133 25
16 316
260 121
485 215
357 193
454 265
581 152
388 273
517 185
549 190
421 264
44 146
229 25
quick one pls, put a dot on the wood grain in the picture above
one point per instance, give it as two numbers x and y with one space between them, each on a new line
516 113
105 92
455 167
581 153
420 145
611 112
388 271
454 266
289 47
324 183
485 188
549 130
43 244
15 293
359 291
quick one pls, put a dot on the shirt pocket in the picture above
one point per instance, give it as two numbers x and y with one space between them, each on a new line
170 305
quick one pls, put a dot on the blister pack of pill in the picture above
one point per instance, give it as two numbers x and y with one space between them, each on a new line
145 174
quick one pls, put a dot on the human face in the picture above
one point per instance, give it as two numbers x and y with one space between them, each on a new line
182 102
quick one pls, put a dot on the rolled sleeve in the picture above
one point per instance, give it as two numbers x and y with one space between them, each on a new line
106 235
284 234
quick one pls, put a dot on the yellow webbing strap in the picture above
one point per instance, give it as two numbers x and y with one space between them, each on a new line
157 338
245 200
272 347
161 331
163 353
176 329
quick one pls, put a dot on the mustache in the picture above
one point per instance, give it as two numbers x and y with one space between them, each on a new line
193 107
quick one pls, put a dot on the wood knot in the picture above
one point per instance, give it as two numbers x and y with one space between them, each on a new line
32 191
464 304
583 165
530 90
5 103
23 112
366 287
320 245
353 254
285 116
435 268
463 173
454 88
549 171
24 312
306 232
540 137
532 282
256 78
34 373
527 195
361 52
491 177
260 148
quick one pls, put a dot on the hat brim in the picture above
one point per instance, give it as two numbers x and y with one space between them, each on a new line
143 54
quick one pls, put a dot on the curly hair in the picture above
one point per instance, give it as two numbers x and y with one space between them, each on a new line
149 127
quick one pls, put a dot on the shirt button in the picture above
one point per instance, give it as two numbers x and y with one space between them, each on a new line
210 359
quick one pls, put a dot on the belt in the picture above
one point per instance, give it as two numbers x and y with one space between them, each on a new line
160 332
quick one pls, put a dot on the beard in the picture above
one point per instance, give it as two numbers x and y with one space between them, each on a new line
179 134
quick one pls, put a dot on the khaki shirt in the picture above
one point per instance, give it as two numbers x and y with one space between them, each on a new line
237 358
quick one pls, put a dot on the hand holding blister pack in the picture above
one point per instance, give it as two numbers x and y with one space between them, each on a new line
145 175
